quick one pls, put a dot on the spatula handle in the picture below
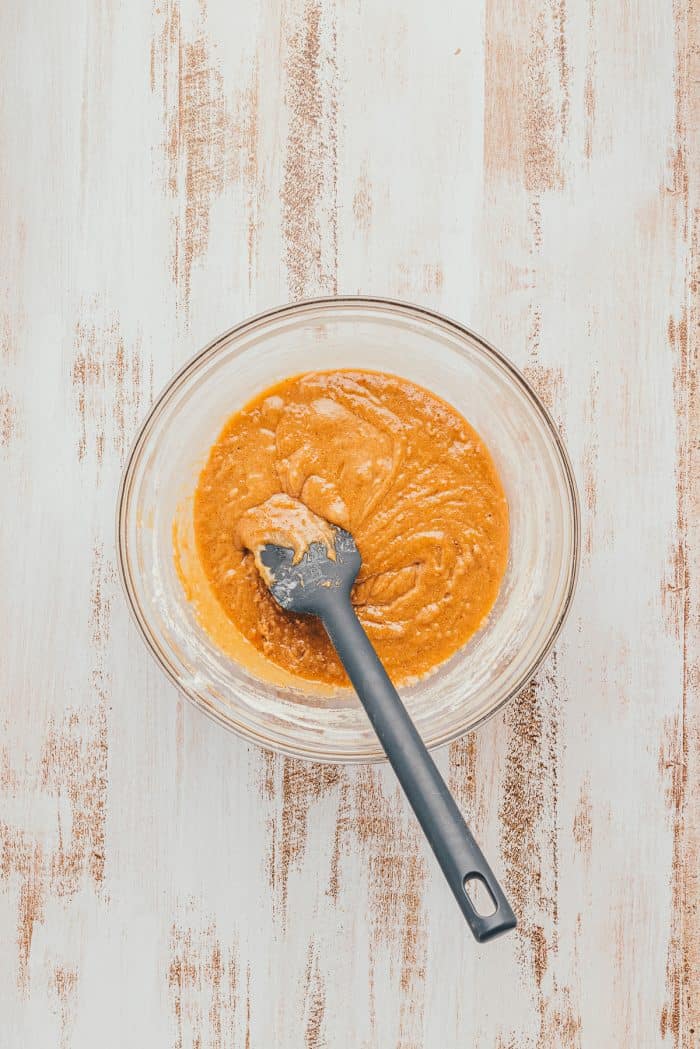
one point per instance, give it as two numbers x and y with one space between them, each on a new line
456 850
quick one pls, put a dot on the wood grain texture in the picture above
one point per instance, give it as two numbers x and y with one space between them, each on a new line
530 167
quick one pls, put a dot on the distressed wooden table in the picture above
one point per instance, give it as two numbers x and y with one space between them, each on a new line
529 167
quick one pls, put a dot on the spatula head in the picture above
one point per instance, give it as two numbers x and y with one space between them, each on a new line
317 578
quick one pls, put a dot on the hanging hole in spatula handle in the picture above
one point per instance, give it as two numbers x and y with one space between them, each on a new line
489 916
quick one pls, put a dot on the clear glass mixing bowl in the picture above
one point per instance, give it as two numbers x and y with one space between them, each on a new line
437 353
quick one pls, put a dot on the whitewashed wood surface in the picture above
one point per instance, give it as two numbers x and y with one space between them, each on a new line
530 167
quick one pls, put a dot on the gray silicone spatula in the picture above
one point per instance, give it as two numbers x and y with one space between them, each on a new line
320 586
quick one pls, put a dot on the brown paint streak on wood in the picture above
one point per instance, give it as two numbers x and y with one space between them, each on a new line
589 92
72 770
382 829
525 801
564 1026
64 984
103 579
686 97
315 1004
619 939
270 764
534 333
111 388
343 823
548 384
249 136
362 203
203 980
31 904
248 1029
510 1043
542 165
530 849
22 858
535 221
462 773
503 59
582 828
526 107
10 779
211 142
684 946
427 278
8 418
679 757
74 767
309 192
590 464
561 48
301 785
7 338
674 590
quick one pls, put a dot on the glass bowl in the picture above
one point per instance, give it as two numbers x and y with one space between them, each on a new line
383 335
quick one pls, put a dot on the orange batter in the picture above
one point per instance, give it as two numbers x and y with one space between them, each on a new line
397 467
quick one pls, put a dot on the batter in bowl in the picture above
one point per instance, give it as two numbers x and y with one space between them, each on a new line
393 464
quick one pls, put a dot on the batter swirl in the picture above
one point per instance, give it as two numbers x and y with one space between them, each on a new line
397 467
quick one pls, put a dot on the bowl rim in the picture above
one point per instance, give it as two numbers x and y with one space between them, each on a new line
332 302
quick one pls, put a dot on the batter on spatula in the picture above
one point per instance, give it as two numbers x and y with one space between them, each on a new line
393 464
